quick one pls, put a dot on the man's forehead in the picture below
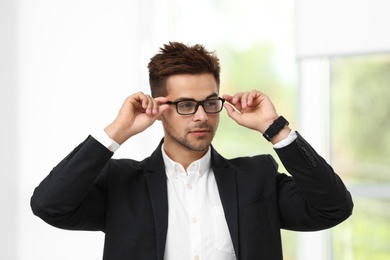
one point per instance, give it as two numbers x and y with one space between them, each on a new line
192 86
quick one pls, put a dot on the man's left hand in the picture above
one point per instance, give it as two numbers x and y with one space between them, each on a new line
252 109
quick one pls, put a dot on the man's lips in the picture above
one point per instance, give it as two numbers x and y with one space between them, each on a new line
199 131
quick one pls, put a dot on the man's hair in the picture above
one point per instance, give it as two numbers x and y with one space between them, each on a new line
177 58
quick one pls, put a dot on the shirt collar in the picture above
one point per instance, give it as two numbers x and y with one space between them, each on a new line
200 166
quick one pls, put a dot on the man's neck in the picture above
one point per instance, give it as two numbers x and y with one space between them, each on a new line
183 156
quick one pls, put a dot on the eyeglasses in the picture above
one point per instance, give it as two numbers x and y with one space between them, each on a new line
189 107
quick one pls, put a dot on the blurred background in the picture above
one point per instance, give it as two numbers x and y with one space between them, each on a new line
67 66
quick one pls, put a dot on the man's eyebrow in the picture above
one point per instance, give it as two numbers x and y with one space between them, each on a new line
192 99
212 95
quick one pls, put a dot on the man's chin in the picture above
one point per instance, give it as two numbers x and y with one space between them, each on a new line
199 145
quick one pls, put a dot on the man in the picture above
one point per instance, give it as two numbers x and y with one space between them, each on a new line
186 201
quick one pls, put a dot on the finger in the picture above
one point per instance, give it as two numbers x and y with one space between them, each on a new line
156 105
140 98
161 100
229 103
244 100
152 105
162 108
161 105
149 105
227 97
132 103
232 112
253 95
236 98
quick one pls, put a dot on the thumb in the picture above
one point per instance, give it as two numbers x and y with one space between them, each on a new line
232 113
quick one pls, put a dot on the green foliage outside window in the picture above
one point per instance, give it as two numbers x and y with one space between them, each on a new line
361 143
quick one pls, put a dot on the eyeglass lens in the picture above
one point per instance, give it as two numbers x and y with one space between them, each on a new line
209 106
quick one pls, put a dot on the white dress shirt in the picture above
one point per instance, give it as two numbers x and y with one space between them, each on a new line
197 227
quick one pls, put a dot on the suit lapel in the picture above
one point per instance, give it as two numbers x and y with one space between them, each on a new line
157 185
226 181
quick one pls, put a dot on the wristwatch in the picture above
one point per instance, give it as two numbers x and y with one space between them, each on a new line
275 128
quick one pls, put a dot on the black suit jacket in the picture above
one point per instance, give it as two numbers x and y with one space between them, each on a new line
127 199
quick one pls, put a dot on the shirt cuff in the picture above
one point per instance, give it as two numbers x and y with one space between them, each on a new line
288 140
103 138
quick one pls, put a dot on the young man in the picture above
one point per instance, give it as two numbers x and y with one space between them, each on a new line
186 201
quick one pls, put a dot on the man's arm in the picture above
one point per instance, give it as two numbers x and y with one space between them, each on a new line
72 196
315 198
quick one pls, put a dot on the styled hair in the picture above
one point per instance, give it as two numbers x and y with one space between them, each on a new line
177 58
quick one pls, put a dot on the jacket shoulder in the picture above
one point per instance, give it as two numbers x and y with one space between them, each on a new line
262 161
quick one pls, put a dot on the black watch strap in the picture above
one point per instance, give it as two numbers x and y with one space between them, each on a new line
275 128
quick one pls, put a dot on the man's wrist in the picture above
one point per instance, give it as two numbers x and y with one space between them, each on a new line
275 128
282 140
103 138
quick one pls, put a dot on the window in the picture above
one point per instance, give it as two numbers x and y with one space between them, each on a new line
360 126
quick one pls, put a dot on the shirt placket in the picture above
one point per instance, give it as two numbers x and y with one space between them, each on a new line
193 213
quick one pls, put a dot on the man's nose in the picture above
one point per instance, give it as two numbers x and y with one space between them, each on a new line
200 114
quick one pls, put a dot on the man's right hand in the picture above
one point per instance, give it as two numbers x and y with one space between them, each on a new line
138 112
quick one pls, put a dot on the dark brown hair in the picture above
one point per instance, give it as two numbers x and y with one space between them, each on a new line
177 58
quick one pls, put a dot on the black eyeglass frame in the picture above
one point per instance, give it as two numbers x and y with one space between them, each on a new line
198 103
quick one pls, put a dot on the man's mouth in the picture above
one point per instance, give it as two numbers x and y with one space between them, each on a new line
199 132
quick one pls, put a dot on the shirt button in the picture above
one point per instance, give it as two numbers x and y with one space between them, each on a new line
196 257
194 220
189 186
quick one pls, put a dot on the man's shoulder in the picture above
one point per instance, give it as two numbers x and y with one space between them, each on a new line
128 163
254 171
244 162
261 160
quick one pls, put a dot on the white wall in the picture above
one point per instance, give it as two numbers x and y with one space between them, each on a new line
347 27
76 62
8 135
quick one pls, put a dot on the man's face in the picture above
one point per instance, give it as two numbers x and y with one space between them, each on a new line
190 132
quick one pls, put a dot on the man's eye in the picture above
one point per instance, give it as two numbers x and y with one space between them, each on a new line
186 104
210 103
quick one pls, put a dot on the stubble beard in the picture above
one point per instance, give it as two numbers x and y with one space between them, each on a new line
200 144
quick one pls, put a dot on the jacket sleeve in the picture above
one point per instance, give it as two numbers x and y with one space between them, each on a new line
315 197
73 196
